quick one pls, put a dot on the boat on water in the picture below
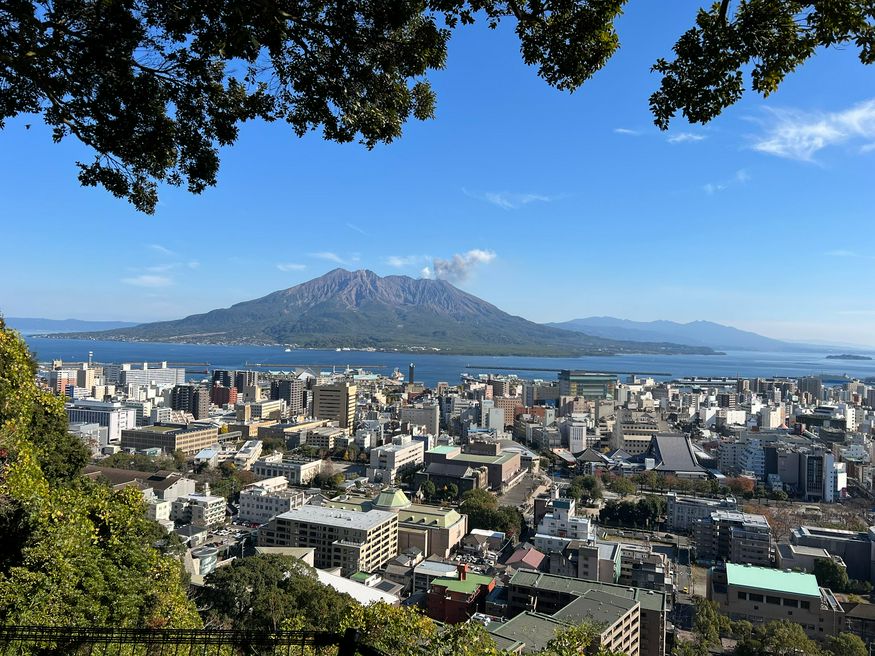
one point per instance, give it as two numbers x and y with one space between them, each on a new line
288 350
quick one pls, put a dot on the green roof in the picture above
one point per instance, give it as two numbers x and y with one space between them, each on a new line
360 577
391 498
443 449
473 457
772 580
468 586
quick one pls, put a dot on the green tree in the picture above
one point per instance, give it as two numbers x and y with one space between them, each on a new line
781 638
622 486
847 644
153 90
73 551
428 489
261 593
831 575
586 488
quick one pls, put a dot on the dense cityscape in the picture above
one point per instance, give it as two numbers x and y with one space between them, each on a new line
636 506
437 328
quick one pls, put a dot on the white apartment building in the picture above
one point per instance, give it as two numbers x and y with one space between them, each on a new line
391 460
198 510
353 541
556 529
262 501
114 416
298 471
248 454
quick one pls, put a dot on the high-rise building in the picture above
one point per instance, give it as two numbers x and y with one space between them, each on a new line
292 392
244 379
114 416
813 385
587 385
224 377
220 395
336 403
191 398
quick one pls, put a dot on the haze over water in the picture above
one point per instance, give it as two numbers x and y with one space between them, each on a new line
431 368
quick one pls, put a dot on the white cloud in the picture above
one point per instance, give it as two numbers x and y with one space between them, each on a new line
839 252
459 266
194 264
741 177
163 250
683 137
794 134
353 226
508 200
329 256
146 280
404 261
291 266
627 131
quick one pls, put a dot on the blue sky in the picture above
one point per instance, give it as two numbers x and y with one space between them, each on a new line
554 205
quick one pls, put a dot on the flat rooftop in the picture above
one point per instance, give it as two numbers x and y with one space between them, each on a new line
772 580
443 449
338 517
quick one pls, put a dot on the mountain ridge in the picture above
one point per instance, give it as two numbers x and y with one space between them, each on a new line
694 333
359 309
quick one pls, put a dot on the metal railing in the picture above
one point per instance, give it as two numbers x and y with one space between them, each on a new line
82 641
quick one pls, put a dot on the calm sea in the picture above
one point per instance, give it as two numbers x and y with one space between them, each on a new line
431 368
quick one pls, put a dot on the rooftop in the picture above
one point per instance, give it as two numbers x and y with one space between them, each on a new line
468 585
534 630
337 517
596 606
444 449
649 599
775 580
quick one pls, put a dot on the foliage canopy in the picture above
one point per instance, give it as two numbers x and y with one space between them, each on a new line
154 89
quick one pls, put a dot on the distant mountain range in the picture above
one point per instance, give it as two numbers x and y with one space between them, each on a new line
695 333
359 309
34 325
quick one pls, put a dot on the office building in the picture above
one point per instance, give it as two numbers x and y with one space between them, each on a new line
734 536
392 460
244 379
335 402
189 439
290 390
298 471
682 512
762 594
146 374
423 414
352 541
587 385
559 527
115 417
856 549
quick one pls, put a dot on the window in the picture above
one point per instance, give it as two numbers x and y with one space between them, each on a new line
793 603
742 595
805 605
773 600
755 597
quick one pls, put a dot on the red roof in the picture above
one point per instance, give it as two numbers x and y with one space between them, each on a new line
529 557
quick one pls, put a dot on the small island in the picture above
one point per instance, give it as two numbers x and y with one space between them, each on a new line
848 356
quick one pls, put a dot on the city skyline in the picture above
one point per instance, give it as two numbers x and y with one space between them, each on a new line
576 195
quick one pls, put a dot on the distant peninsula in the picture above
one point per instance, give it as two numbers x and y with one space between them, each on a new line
848 356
